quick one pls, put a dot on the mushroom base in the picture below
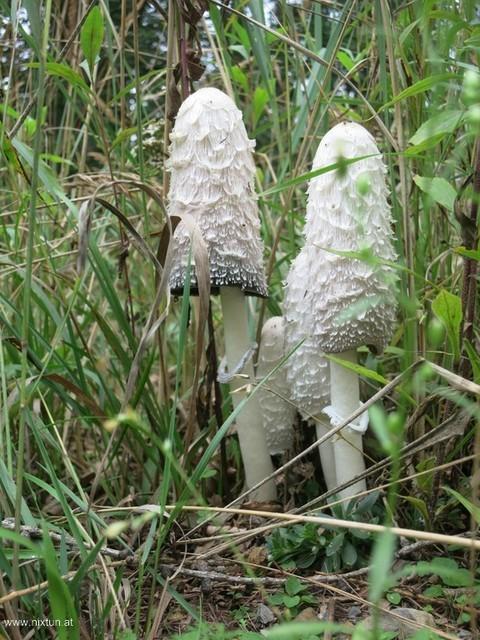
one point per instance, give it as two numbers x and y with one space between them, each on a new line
326 455
348 445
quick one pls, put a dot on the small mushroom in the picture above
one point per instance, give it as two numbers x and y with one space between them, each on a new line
278 412
212 180
349 301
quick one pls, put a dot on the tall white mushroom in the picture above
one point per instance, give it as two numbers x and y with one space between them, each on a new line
212 179
278 412
351 301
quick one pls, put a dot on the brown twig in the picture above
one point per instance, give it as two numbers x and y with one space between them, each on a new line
415 534
243 537
36 533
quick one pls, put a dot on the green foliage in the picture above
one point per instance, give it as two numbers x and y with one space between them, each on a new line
91 37
448 309
61 602
307 545
447 570
294 598
431 132
469 506
73 447
380 578
439 189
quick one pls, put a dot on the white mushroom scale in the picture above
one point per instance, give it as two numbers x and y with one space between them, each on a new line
277 409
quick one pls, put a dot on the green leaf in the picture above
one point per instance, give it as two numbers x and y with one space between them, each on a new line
419 505
421 87
276 599
438 189
417 149
301 630
425 482
74 585
468 253
91 36
340 165
474 358
260 99
61 602
63 71
54 159
335 545
394 597
127 634
46 175
291 601
448 309
158 74
366 503
359 369
378 422
472 509
447 569
123 135
441 124
209 473
349 555
345 59
380 578
293 586
33 8
239 77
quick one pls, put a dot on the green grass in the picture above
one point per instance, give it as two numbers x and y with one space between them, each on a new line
94 405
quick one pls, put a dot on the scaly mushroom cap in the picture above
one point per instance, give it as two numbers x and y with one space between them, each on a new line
307 367
278 414
354 301
212 178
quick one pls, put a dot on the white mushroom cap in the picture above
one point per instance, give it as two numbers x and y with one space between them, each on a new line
307 373
335 303
354 302
212 178
278 413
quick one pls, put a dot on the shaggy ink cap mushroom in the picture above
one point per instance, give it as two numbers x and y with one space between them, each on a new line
348 211
357 305
307 367
308 375
212 179
336 303
277 411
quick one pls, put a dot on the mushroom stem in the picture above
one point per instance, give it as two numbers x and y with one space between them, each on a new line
348 449
326 454
253 445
